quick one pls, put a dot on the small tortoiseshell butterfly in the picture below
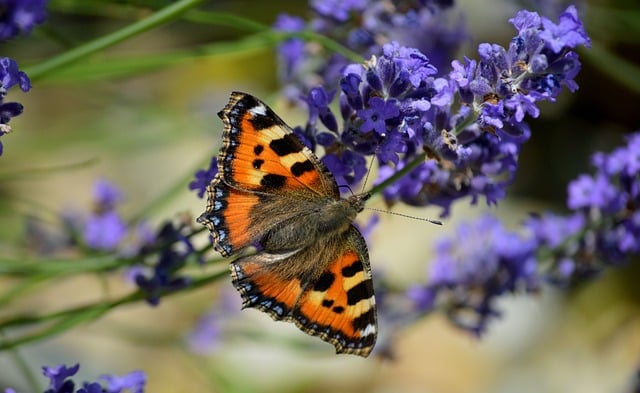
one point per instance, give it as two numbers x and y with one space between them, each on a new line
311 266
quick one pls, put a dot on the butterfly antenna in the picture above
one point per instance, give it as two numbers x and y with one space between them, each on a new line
366 177
347 186
436 222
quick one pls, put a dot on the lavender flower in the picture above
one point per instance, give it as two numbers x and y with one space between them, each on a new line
21 16
169 254
134 382
58 377
207 335
376 115
480 263
203 177
60 382
364 27
463 129
604 227
484 261
10 76
104 229
290 52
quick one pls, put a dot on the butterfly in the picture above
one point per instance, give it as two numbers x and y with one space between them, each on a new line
310 265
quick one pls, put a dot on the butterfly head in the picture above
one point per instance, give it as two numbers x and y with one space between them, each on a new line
357 201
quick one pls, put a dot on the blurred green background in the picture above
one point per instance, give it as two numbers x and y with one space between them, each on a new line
149 130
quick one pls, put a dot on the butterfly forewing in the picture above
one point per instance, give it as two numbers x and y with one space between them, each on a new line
260 152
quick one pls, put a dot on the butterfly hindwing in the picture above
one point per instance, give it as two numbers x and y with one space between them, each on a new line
337 305
340 306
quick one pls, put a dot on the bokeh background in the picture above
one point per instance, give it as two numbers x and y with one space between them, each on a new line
149 131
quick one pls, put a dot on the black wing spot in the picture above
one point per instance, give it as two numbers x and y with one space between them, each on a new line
338 309
299 168
324 282
257 163
363 320
353 269
327 303
286 145
360 292
261 122
258 150
273 181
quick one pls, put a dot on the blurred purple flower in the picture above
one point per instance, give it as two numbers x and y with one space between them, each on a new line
106 195
60 382
598 192
203 177
340 10
20 16
604 227
484 261
104 231
206 336
169 253
133 382
472 269
290 52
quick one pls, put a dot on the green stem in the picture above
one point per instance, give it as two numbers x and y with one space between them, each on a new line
238 22
60 266
30 173
67 319
225 19
469 120
161 17
396 176
326 42
23 366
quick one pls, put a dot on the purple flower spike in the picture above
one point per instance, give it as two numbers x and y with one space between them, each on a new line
482 262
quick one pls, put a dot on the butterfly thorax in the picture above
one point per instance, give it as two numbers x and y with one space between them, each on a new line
329 219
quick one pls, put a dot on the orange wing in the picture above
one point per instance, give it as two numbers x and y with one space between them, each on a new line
261 153
263 172
338 306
